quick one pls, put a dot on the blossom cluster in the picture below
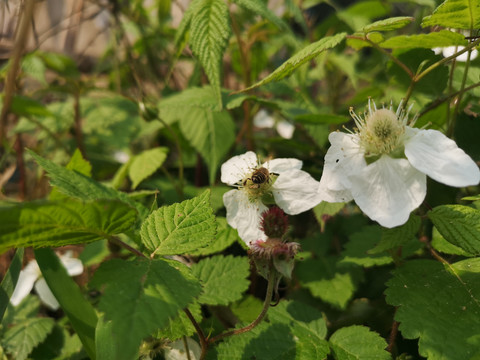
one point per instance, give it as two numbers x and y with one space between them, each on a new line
382 165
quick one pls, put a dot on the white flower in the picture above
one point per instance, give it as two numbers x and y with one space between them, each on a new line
263 119
292 189
176 350
383 165
31 276
450 50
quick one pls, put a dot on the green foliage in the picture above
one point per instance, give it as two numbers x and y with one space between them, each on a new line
428 41
457 14
260 8
358 342
141 296
450 295
210 31
329 279
80 312
10 280
145 164
398 236
275 339
306 54
21 338
356 250
210 132
459 225
65 222
225 237
224 279
387 24
180 228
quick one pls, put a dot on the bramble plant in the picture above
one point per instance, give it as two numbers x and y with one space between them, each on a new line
150 209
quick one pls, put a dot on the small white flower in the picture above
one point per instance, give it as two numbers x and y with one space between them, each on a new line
283 182
263 119
384 163
31 277
450 50
176 350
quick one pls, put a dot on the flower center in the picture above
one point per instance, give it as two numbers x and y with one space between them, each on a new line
258 184
381 131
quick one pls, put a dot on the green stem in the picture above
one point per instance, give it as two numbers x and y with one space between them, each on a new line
266 305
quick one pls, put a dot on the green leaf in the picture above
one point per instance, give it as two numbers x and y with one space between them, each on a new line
441 38
21 338
356 250
439 243
294 331
61 64
141 296
180 228
260 8
387 24
358 342
329 280
450 297
457 14
145 164
181 325
226 236
67 222
10 281
210 31
224 279
211 134
25 106
77 185
324 210
459 225
398 236
306 54
78 310
33 66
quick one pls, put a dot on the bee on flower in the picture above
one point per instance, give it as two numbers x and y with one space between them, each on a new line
384 163
257 185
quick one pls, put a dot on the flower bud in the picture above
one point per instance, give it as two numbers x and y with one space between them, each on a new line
274 223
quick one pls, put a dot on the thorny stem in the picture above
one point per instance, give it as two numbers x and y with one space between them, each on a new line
393 335
20 41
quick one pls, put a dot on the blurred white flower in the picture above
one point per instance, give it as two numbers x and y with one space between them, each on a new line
263 119
384 163
279 180
121 156
31 277
176 350
450 50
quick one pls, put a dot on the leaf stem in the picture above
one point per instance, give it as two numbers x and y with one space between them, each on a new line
266 305
119 242
200 333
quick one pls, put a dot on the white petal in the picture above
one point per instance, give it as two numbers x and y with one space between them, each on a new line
281 165
285 129
45 294
263 119
74 266
244 215
343 158
432 153
235 169
295 191
26 279
388 190
177 351
450 50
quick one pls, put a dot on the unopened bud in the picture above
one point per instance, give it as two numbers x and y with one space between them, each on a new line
274 223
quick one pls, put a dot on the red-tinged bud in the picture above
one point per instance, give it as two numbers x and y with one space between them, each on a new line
274 223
